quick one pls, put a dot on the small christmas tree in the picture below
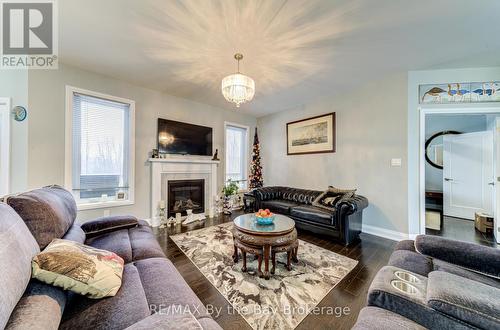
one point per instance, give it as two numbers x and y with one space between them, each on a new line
255 178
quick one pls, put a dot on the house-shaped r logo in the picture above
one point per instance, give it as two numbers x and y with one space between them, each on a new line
27 28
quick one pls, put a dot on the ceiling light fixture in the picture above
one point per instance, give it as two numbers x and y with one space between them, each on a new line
237 87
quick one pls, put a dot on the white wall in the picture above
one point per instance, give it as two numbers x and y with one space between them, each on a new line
14 84
371 129
439 123
416 78
46 127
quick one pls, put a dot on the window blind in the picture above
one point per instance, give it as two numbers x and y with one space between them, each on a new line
101 143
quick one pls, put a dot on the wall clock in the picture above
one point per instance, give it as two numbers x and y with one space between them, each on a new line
19 113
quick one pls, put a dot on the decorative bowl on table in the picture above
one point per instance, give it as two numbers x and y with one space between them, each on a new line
264 217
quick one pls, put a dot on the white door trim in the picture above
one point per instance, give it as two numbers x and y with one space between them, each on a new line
5 147
469 109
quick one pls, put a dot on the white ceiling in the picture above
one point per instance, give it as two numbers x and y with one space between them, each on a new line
295 50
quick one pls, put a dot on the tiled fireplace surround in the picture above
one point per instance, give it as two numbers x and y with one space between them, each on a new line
182 168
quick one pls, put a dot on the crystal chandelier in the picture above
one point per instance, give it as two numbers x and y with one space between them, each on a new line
237 87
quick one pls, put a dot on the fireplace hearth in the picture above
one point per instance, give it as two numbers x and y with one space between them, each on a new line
184 195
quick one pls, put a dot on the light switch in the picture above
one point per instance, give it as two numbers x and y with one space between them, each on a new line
396 162
107 213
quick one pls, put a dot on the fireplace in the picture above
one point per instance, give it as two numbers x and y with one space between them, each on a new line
184 195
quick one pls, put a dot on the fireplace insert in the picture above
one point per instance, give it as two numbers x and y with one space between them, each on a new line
186 195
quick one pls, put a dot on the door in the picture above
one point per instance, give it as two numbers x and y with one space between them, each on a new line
468 174
4 145
496 162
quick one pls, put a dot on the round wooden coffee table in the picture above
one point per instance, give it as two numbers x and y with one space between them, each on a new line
265 241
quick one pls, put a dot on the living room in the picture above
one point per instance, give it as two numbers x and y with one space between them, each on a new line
240 164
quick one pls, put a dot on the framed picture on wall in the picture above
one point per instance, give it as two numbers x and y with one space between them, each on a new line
311 135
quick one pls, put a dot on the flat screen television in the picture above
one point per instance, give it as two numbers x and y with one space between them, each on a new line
175 137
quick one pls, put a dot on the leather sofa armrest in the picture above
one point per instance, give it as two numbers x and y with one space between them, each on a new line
354 204
472 302
108 224
475 257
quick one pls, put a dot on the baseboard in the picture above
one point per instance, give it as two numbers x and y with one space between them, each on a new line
385 233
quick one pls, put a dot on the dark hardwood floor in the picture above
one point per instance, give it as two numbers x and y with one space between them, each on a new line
463 230
372 252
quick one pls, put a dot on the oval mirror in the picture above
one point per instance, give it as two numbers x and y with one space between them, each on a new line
434 148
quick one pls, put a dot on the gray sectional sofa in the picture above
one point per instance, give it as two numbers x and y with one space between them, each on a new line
435 283
28 223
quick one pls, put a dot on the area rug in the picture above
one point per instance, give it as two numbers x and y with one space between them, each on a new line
281 302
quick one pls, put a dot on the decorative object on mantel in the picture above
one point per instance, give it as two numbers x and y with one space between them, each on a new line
216 155
219 204
170 222
255 177
311 135
229 190
20 113
154 153
237 87
161 212
191 217
459 93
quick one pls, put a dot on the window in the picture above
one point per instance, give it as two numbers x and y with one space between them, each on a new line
100 149
236 154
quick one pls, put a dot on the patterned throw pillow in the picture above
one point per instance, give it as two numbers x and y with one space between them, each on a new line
79 268
332 197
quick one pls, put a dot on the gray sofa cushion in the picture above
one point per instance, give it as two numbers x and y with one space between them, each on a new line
148 286
131 244
405 245
17 248
75 234
453 269
475 257
423 265
475 303
373 318
164 286
412 261
126 308
108 224
168 320
412 306
48 212
41 307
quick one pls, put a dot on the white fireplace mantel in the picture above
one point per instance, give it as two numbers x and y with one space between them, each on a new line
182 168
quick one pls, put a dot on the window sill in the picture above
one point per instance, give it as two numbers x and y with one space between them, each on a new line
103 205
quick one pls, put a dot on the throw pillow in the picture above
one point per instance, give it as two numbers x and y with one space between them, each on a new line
345 191
79 268
331 198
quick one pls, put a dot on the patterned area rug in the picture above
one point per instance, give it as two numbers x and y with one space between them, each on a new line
281 302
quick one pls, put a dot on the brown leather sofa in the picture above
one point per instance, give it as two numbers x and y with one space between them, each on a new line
343 223
151 285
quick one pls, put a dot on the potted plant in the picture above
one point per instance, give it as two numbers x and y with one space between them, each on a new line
230 189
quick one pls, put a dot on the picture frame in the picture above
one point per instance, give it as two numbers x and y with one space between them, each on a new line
311 135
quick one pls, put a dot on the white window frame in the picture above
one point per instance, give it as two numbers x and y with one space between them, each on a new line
247 153
5 109
68 173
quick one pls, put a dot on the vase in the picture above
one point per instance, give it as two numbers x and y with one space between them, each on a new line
227 205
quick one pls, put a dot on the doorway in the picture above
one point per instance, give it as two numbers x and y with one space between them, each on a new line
4 145
458 185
